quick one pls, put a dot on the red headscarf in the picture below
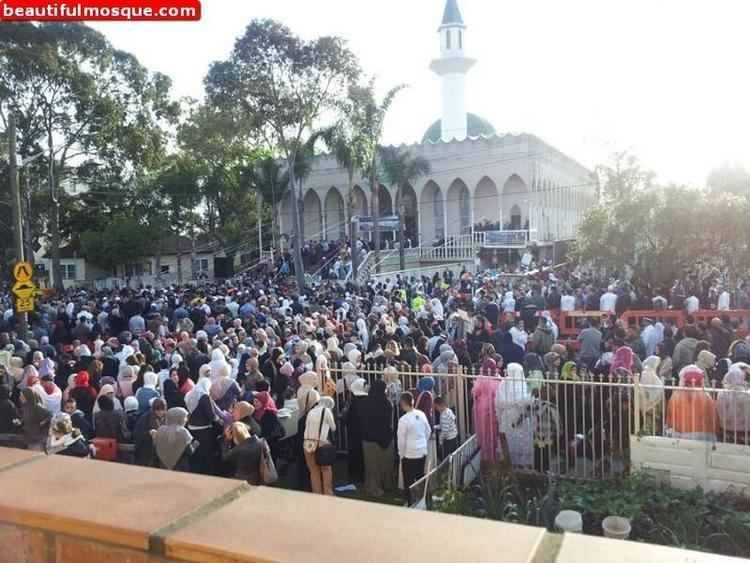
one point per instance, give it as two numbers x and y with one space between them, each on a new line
267 404
82 379
622 359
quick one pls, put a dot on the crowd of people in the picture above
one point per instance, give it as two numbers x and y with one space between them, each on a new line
253 378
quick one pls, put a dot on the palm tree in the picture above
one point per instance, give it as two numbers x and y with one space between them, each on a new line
271 185
367 117
340 140
402 168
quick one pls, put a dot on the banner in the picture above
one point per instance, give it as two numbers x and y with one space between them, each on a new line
387 223
503 239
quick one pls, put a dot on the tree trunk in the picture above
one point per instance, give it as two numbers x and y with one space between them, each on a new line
375 188
193 254
57 279
299 270
28 235
158 260
401 251
179 260
353 238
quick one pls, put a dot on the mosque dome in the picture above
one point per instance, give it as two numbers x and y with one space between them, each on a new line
476 127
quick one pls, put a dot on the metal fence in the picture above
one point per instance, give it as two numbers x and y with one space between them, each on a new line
578 427
452 470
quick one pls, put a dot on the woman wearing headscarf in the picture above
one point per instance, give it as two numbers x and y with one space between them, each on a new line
572 403
511 400
376 419
242 451
706 360
142 435
172 395
664 371
201 413
148 392
326 386
651 397
108 390
125 380
184 383
484 417
534 368
52 397
691 412
266 414
110 423
36 419
84 394
733 408
224 390
510 351
243 412
307 398
270 368
355 457
10 420
318 428
282 382
65 440
173 443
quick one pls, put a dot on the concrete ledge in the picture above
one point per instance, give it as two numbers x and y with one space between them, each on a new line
60 509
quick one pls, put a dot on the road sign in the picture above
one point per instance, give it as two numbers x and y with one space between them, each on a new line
24 305
23 271
24 290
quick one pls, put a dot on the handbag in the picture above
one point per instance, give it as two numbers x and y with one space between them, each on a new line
325 455
268 473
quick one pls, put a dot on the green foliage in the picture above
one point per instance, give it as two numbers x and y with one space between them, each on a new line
729 179
660 514
659 231
123 241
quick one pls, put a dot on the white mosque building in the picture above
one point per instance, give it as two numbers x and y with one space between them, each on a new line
478 176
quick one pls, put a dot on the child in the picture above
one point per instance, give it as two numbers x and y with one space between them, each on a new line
448 429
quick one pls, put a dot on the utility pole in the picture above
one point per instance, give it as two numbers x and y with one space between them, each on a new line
15 195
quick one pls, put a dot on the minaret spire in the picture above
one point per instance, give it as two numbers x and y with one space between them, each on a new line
452 67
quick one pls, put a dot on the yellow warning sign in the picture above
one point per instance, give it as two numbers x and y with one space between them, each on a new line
23 271
24 290
24 305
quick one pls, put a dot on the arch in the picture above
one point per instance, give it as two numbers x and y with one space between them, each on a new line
360 201
411 223
458 209
486 202
312 225
431 213
515 193
515 217
385 202
286 221
334 216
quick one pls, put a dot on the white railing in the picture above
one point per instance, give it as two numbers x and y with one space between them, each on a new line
427 271
520 238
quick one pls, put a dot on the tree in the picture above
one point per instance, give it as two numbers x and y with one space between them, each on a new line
82 102
659 231
271 184
281 84
401 168
123 241
730 179
367 119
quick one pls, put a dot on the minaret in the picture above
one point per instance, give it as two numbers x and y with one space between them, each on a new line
452 67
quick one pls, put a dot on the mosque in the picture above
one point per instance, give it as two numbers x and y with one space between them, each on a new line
480 180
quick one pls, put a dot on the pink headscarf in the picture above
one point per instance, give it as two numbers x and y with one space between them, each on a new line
267 404
622 359
489 367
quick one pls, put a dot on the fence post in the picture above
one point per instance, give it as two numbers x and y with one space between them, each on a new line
462 382
636 403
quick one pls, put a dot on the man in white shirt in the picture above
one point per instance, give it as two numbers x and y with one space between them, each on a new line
519 335
724 299
608 300
567 302
413 436
691 304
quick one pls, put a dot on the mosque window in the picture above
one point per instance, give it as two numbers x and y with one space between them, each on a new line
447 38
460 39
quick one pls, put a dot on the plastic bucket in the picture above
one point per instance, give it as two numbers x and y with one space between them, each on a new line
569 521
616 527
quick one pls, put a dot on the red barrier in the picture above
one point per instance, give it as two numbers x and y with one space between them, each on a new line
571 323
739 320
666 316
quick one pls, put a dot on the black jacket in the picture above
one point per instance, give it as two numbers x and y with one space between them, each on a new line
245 458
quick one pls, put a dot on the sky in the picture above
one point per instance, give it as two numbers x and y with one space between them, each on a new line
666 79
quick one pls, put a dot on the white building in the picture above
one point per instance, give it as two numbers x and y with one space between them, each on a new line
478 176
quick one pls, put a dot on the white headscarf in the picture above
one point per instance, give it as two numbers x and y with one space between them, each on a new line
203 387
217 361
651 389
